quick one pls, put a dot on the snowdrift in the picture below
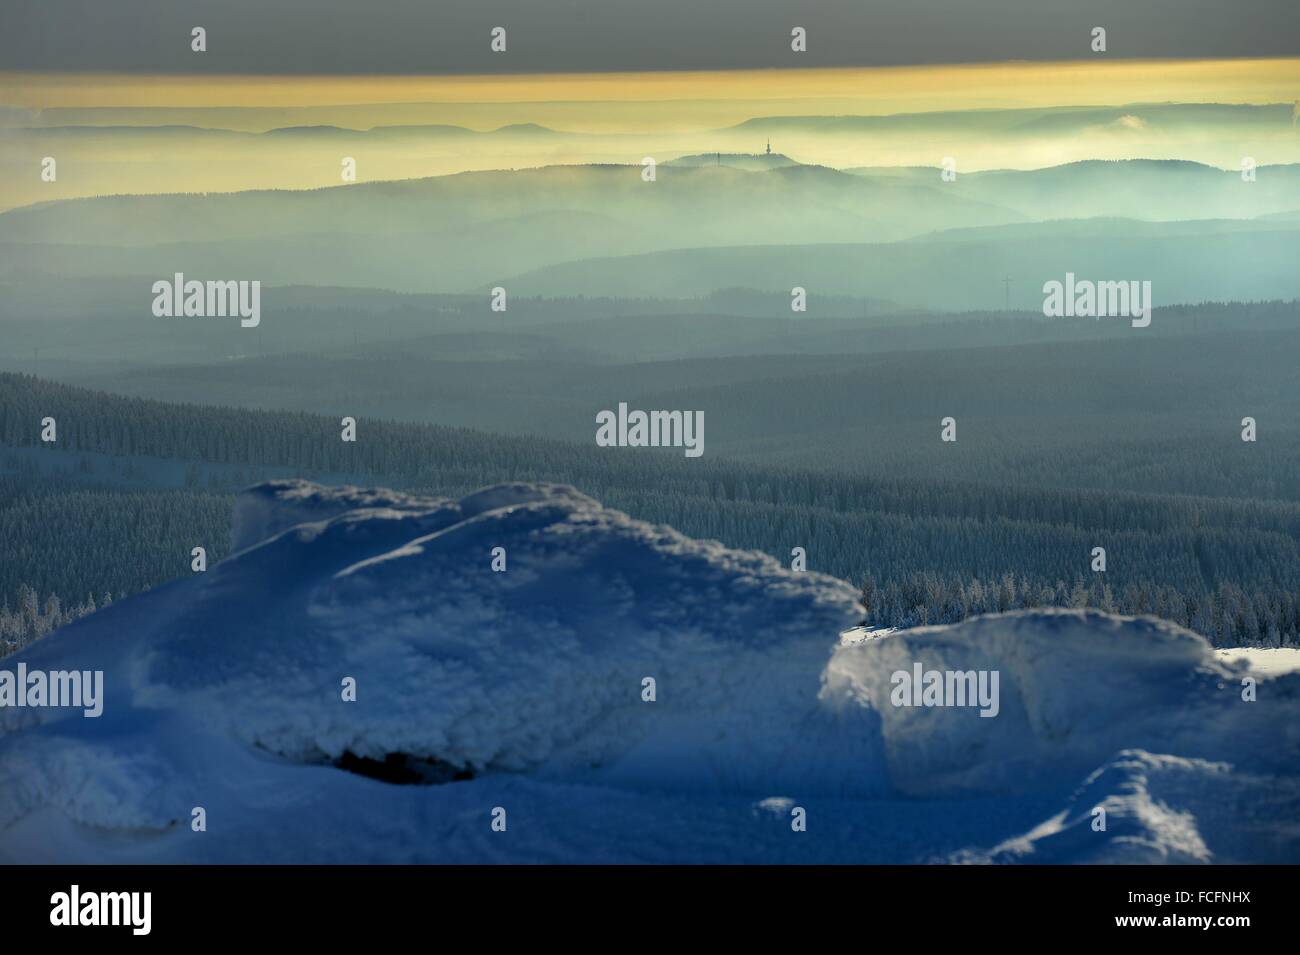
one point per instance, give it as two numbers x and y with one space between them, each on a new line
525 690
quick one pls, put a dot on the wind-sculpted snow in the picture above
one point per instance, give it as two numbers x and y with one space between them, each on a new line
223 691
1075 688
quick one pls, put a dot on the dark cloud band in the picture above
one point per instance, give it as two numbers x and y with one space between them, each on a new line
452 36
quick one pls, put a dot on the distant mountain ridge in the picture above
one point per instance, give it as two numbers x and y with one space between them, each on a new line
963 269
568 230
1026 119
753 161
322 129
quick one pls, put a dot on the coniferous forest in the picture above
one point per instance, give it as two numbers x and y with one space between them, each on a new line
132 485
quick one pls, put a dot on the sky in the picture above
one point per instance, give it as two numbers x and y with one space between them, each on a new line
619 79
667 100
576 36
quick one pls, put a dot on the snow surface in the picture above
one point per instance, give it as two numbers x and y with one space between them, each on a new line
1265 659
223 691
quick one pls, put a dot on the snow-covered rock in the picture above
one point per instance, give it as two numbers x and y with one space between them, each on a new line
1075 687
529 689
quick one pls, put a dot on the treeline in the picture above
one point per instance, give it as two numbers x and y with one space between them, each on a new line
1149 415
70 541
1166 554
32 618
127 541
1227 615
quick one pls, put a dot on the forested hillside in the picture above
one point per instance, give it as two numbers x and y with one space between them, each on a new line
928 551
1077 403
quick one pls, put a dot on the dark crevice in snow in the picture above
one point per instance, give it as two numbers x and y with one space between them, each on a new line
403 769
